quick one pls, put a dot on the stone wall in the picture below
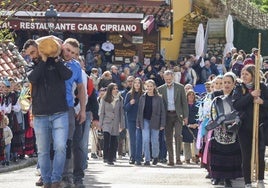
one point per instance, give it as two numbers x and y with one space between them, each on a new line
215 47
248 14
192 21
212 8
243 10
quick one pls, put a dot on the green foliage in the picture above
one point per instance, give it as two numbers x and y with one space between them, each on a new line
261 4
257 2
264 8
6 34
246 38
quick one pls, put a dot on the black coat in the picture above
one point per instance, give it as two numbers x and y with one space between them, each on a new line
48 87
243 103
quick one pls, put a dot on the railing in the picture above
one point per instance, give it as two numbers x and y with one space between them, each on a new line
248 14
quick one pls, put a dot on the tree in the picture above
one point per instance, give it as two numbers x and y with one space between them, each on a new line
5 33
261 4
257 2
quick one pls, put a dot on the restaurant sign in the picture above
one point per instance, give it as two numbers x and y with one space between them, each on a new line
73 26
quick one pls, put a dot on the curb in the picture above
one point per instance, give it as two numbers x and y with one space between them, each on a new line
19 165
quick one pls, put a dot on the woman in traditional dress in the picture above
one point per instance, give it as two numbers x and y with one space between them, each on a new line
225 155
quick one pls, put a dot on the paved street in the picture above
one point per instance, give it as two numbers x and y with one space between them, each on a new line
122 174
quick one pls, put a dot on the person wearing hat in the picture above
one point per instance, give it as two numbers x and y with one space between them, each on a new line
224 146
49 106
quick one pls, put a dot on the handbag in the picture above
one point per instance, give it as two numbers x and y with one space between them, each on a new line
194 137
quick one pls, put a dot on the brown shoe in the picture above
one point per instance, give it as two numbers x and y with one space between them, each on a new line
55 185
187 161
178 162
170 164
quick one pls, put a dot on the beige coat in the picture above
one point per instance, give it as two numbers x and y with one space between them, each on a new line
7 135
111 119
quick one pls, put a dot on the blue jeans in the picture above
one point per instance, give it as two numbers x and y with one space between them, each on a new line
85 137
162 145
148 135
7 152
68 167
138 156
132 139
55 126
78 153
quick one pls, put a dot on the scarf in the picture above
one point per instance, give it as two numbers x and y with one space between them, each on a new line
250 86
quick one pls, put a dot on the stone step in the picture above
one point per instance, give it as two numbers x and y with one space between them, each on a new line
187 51
188 40
187 45
189 36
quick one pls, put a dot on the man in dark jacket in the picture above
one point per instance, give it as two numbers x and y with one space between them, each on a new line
116 77
50 111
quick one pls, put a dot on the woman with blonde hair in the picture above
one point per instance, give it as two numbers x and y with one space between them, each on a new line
150 119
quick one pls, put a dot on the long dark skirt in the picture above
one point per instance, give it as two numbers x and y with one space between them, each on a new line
18 140
2 145
29 135
225 160
29 141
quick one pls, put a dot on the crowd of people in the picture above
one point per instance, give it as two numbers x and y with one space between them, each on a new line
16 132
134 108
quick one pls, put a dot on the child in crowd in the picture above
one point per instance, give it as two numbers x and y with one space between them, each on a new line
7 137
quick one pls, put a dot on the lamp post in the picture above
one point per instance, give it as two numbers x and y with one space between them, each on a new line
51 16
